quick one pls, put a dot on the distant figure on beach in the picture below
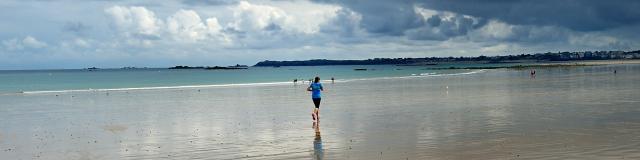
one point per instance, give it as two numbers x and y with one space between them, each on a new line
315 88
533 73
615 71
295 81
317 143
333 80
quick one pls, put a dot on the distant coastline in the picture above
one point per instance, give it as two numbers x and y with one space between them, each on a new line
237 66
433 62
538 57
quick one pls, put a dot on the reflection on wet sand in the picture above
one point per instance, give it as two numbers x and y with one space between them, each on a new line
317 143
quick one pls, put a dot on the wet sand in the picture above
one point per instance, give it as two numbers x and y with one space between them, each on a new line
564 113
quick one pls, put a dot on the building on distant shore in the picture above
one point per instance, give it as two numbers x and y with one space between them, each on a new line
559 56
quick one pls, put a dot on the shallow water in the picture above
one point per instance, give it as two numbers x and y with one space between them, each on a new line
564 113
38 81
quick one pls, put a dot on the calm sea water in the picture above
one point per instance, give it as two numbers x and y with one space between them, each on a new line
65 80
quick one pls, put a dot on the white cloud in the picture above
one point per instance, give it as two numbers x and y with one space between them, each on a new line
76 43
81 42
134 21
252 17
308 17
251 25
292 17
186 25
213 26
142 28
33 42
28 42
496 30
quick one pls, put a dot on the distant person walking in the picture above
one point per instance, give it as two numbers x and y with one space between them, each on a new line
315 88
333 80
533 73
295 81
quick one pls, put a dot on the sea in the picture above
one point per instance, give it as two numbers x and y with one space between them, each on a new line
75 80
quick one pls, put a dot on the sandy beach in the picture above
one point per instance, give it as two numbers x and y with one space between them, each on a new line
564 113
238 80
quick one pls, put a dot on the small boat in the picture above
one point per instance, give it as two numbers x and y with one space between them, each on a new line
360 69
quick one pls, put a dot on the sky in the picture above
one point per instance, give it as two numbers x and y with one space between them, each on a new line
59 34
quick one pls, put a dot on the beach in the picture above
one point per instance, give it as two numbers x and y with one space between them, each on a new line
584 112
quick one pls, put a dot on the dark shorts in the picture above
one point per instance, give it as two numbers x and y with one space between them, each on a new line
316 101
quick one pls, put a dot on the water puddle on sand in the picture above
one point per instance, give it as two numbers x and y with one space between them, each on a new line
114 128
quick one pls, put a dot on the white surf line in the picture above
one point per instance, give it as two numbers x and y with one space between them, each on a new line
233 85
156 88
416 76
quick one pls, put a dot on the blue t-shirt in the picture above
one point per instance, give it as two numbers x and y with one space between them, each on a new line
315 90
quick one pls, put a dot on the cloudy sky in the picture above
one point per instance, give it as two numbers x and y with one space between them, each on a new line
38 34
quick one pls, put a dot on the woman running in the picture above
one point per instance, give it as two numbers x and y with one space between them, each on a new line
315 89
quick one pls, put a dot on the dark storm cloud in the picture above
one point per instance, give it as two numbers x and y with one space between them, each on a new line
396 17
579 15
384 16
344 24
400 18
438 28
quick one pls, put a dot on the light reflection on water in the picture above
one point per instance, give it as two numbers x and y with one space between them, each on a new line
318 152
574 113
